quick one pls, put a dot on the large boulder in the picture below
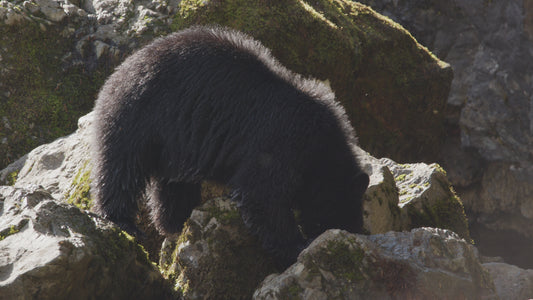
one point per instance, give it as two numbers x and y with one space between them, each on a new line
425 263
50 250
215 257
393 89
215 249
511 282
406 196
55 57
488 154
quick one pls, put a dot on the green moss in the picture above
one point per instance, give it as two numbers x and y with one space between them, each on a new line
359 52
447 213
224 216
12 229
79 191
343 260
43 100
292 292
233 263
12 178
400 177
438 168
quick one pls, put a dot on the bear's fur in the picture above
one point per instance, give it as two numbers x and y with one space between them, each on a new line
212 103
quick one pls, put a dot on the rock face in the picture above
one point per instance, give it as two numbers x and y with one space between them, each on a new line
53 79
489 156
406 196
423 264
55 251
393 89
54 56
487 43
215 257
511 282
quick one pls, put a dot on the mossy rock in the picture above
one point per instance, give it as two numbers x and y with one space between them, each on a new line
428 200
215 257
39 101
393 89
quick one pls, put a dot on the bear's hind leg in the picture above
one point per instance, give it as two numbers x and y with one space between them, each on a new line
171 204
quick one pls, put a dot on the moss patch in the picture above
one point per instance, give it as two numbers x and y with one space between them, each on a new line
13 229
393 89
39 100
79 192
12 178
446 213
228 262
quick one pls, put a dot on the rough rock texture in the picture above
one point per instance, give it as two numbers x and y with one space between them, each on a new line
215 229
54 251
488 45
56 54
510 281
54 166
406 196
215 257
425 263
393 89
489 153
206 251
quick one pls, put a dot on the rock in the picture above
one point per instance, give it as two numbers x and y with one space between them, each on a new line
406 196
53 80
490 159
380 201
55 55
510 281
427 199
54 166
488 46
55 251
425 263
366 68
215 256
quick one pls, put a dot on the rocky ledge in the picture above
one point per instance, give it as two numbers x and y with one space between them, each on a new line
51 243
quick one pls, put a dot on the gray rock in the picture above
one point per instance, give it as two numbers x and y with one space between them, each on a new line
511 282
425 263
487 46
54 251
54 166
490 156
215 257
406 196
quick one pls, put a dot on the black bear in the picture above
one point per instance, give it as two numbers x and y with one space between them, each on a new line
212 103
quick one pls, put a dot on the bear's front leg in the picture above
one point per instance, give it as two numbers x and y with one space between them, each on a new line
272 221
171 204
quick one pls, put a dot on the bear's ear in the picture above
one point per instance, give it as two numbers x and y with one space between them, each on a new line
361 183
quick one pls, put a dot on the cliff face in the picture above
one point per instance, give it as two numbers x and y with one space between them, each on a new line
488 153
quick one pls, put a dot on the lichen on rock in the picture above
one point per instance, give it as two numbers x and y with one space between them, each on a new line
425 263
215 256
55 251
